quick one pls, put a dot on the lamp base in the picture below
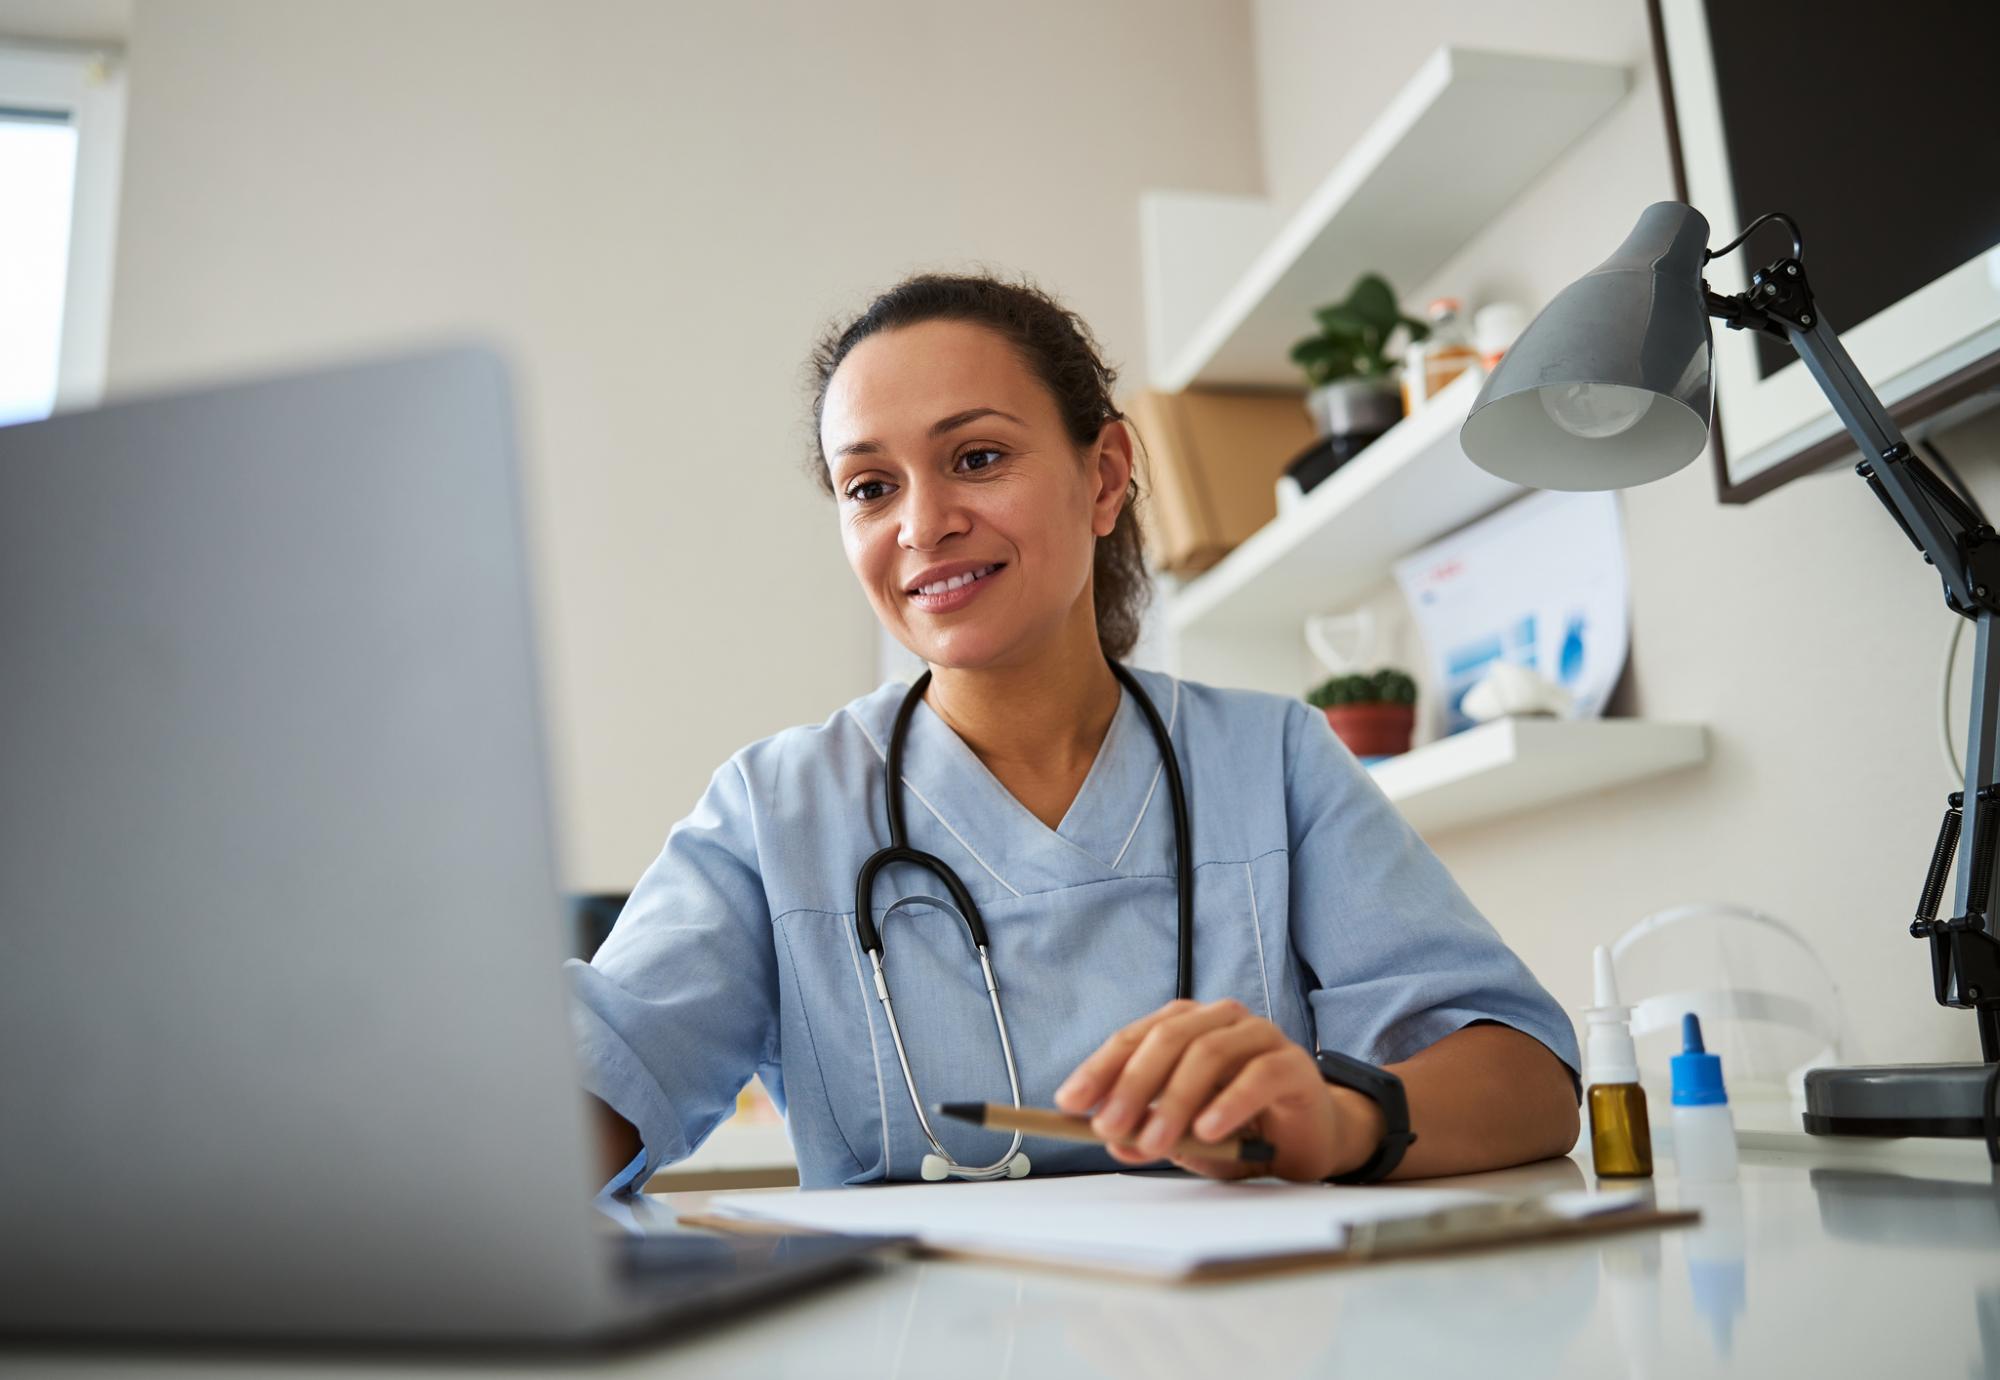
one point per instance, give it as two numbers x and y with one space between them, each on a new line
1900 1100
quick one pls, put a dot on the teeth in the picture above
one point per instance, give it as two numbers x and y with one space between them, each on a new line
957 581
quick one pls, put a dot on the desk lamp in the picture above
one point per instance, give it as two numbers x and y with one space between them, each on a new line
1611 387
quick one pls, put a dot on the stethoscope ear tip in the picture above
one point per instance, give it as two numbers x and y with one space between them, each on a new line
1017 1168
933 1169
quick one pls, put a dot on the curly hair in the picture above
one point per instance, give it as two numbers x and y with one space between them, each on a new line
1055 343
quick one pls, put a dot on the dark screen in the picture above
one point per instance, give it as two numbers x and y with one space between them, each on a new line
1876 127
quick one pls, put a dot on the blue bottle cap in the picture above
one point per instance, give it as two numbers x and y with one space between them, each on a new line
1697 1073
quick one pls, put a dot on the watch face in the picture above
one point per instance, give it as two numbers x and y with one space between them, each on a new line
1385 1087
1348 1069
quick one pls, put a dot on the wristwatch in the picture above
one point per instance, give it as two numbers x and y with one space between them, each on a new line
1386 1090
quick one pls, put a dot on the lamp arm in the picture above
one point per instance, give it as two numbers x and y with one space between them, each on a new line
1857 405
1951 535
1965 957
1938 523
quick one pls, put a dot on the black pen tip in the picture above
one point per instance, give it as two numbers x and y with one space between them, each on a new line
974 1112
1254 1151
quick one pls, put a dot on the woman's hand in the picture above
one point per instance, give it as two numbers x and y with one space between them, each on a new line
1213 1070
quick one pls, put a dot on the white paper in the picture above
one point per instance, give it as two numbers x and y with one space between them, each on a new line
1541 583
1156 1224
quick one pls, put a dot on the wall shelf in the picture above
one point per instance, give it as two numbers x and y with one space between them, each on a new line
1230 285
1231 282
1510 766
1412 486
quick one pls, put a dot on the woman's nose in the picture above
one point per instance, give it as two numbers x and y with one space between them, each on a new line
930 516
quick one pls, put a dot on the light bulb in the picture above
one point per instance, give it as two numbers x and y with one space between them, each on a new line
1595 411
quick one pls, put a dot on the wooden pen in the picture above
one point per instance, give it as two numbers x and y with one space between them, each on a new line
1035 1121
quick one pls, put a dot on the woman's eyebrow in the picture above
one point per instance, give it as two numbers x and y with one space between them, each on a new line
971 414
938 428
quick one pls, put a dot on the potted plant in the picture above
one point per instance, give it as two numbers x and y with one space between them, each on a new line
1373 714
1353 373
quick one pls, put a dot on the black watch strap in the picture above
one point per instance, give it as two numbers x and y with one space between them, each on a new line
1386 1091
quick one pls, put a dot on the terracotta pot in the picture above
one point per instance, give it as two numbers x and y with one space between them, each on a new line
1373 730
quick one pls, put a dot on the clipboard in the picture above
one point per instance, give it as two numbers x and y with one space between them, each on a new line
1474 1222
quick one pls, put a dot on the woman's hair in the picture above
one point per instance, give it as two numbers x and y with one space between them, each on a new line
1054 342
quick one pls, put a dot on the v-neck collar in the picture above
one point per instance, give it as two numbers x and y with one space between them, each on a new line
945 779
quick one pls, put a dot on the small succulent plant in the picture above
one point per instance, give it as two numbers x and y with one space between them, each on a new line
1386 686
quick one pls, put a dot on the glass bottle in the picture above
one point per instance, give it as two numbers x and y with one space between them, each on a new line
1621 1137
1447 350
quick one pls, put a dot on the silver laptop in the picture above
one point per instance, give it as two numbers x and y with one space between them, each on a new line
283 1050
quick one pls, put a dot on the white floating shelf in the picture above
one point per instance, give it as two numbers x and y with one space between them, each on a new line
1465 137
1412 486
1514 765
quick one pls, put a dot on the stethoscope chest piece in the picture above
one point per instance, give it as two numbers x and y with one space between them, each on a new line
937 1167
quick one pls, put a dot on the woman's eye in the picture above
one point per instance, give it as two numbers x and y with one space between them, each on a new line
867 491
979 459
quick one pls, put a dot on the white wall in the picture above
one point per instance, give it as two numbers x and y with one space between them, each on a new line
95 22
655 208
1802 628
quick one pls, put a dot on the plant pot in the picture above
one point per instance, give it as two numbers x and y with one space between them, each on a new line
1373 730
1351 412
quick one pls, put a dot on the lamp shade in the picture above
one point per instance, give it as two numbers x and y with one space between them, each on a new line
1610 385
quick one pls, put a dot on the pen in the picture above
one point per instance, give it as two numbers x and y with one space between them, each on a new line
1035 1121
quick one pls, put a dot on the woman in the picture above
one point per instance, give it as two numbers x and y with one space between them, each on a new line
984 484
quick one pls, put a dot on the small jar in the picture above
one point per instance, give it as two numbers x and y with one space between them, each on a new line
1439 357
1494 327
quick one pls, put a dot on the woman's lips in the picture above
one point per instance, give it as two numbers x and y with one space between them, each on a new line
966 590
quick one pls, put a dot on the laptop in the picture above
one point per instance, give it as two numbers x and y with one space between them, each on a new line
283 1046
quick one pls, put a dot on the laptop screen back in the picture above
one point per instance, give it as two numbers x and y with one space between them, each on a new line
282 1042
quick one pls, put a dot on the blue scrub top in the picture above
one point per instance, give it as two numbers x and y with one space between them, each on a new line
1315 904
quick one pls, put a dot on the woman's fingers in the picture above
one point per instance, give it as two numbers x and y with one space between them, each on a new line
1219 1169
1085 1088
1207 1062
1129 1154
1208 1070
1207 1168
1152 1061
1257 1085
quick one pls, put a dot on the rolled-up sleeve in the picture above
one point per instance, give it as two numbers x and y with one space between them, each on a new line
1398 957
679 1007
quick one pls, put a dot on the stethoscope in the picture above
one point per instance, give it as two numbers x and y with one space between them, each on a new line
1013 1164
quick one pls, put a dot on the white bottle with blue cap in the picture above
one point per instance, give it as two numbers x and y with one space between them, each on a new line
1704 1132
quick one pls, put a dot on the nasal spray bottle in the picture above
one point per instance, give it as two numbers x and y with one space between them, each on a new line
1621 1141
1704 1132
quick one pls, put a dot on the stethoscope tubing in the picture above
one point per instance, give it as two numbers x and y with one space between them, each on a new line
899 850
1183 831
997 1169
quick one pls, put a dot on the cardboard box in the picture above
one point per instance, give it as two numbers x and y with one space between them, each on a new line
1211 460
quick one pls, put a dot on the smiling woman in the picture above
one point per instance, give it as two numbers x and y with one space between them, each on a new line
968 333
1104 838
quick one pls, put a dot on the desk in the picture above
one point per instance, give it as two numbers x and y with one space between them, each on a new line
1804 1267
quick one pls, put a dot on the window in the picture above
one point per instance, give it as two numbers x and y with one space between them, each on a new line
61 124
38 171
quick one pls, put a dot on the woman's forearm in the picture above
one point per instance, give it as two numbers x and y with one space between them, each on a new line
617 1139
1484 1097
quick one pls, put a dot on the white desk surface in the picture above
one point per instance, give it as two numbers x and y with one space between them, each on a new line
1854 1262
